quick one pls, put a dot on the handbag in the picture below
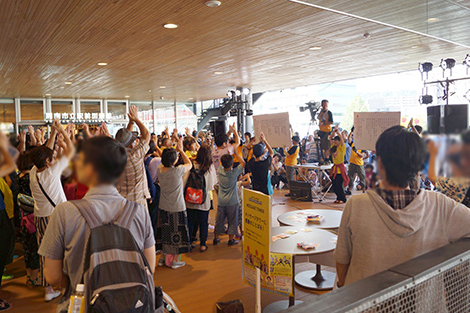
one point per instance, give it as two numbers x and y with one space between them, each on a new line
28 222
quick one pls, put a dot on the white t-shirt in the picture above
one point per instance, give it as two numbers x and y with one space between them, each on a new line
50 181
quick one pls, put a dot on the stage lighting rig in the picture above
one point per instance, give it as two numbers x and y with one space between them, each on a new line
425 99
447 64
466 62
425 67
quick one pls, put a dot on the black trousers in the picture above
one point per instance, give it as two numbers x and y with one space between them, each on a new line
198 218
7 234
338 188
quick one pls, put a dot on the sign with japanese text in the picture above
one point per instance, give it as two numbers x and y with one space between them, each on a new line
257 234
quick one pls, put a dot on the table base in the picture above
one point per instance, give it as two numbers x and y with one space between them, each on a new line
279 306
323 280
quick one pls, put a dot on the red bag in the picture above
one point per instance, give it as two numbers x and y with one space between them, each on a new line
28 222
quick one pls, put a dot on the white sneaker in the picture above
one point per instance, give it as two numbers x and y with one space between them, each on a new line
52 296
176 265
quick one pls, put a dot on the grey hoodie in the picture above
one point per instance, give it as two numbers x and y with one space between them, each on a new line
374 237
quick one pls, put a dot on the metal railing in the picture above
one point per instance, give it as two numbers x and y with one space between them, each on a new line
436 282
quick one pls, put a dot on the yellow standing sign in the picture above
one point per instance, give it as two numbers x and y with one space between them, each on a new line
257 233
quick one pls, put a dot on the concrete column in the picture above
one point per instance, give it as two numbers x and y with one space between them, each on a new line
17 114
176 114
154 120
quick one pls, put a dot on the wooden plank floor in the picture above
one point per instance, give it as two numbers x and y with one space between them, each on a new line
206 279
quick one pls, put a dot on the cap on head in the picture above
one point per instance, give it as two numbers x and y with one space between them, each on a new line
125 136
296 139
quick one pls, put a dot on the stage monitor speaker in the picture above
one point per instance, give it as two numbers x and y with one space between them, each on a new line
300 190
447 119
218 127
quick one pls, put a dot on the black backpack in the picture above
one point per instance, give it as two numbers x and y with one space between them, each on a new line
195 190
116 274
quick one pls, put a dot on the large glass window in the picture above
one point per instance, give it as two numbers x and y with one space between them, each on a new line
117 109
7 107
32 110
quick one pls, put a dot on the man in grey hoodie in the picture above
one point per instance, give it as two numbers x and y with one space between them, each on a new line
388 226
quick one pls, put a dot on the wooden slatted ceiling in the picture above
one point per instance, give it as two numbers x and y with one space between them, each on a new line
262 44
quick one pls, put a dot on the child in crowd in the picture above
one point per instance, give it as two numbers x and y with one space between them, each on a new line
243 182
338 173
190 146
228 197
223 145
174 235
278 173
198 215
260 165
372 179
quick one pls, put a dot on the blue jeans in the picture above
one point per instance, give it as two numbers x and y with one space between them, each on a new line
229 213
198 218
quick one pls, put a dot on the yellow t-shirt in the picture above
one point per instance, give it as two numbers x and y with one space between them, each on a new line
327 116
291 160
338 156
191 154
355 158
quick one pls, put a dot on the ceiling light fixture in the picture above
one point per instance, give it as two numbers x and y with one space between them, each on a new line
314 48
170 26
102 63
414 47
213 3
47 94
150 90
218 73
68 83
403 62
162 87
127 96
433 19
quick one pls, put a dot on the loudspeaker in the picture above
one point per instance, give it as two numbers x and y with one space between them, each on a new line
447 119
219 127
300 190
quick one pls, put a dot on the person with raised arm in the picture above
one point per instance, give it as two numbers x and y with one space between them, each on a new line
260 165
132 184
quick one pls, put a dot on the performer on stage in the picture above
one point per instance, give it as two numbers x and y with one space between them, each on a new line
325 119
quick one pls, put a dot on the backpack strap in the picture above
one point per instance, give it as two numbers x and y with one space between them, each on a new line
92 219
124 218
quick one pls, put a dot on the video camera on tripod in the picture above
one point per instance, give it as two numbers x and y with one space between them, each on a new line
313 107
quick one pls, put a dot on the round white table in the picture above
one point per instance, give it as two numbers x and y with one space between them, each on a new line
332 218
326 243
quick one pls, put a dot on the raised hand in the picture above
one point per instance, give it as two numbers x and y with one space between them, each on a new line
133 116
22 136
179 145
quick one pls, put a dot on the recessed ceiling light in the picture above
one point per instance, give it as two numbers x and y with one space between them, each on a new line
433 19
414 47
170 26
150 90
213 3
404 62
162 87
68 83
218 73
127 96
315 48
191 99
47 94
102 63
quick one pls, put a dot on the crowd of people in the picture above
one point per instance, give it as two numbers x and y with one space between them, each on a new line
52 187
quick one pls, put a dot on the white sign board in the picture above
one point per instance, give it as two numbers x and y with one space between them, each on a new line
368 126
276 128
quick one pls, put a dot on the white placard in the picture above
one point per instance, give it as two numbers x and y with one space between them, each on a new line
368 126
276 128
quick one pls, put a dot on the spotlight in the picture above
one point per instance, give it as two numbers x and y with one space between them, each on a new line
237 92
246 91
447 64
425 99
467 60
425 67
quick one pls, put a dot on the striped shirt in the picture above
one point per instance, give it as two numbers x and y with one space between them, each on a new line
132 184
